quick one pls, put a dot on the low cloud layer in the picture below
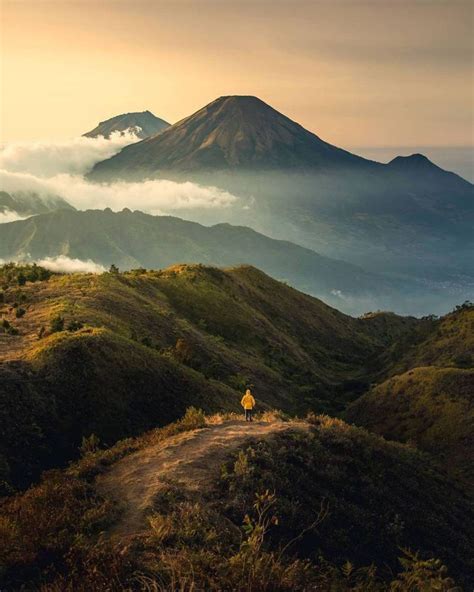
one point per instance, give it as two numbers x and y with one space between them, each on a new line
9 216
76 156
58 168
155 197
61 263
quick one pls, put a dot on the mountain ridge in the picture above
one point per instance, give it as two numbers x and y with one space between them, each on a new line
167 334
135 239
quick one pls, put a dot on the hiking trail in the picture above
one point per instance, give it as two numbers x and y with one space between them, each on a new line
190 460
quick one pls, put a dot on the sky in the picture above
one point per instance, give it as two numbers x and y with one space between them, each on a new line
372 73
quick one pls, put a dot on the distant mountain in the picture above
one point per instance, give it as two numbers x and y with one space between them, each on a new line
143 123
234 132
408 218
24 203
419 170
134 239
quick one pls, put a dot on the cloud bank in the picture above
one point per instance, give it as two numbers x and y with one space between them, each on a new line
76 156
64 264
57 169
155 197
9 216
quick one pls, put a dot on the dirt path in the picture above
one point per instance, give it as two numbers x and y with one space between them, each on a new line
190 460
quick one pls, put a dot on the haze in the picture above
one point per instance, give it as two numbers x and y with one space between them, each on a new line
356 73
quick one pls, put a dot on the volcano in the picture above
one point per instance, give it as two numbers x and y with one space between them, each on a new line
232 132
143 124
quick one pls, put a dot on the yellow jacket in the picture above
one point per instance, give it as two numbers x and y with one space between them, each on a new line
248 402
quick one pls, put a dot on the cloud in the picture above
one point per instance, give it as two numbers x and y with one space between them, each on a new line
9 216
156 196
76 156
64 264
48 169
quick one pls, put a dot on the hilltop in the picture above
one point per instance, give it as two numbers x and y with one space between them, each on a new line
143 124
213 504
185 335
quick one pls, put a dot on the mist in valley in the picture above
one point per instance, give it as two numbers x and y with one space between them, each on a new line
420 254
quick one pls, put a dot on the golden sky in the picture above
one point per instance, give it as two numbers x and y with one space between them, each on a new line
373 73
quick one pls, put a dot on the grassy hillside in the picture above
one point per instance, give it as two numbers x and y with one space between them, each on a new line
328 507
431 408
134 239
116 354
428 400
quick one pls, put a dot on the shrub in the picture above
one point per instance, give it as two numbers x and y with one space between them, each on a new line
89 445
428 575
74 326
56 324
20 312
146 341
193 419
463 360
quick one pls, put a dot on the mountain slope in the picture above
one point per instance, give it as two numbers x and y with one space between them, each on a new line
143 123
428 400
221 505
133 239
231 132
134 349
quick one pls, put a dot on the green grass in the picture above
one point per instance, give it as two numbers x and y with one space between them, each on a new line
153 343
430 408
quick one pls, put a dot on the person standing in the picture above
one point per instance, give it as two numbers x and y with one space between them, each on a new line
248 403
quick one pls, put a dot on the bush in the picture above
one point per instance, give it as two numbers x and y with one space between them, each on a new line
56 324
89 445
463 360
193 419
74 326
20 312
146 341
